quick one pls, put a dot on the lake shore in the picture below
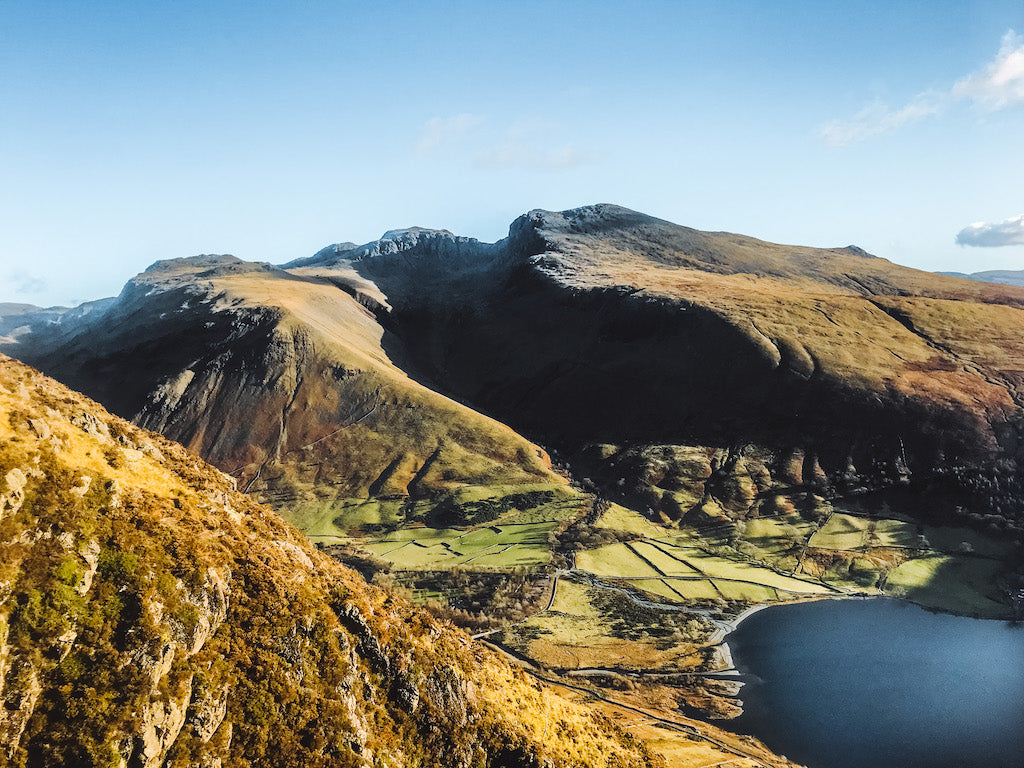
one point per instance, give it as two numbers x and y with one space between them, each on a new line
727 627
877 655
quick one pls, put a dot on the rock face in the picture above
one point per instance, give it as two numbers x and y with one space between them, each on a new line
152 615
598 325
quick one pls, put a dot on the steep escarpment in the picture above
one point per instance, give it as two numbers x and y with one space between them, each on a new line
603 325
289 382
152 615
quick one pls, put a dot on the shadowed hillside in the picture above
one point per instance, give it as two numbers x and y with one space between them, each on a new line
841 371
602 325
287 382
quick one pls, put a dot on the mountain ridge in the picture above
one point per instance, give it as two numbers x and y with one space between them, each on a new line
592 325
1003 276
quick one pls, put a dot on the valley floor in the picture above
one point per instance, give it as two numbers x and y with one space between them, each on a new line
629 613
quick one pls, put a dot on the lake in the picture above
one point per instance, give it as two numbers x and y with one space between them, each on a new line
881 684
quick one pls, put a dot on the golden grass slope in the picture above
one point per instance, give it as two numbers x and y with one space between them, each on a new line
833 312
397 425
152 615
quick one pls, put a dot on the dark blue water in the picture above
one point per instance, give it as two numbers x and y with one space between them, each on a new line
882 684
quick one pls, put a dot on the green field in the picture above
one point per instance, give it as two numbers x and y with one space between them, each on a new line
336 522
842 532
572 599
951 583
852 532
953 540
679 556
495 546
687 549
601 625
775 537
619 518
752 561
752 593
678 590
345 520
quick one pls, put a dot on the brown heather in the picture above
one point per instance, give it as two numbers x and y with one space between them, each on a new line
152 615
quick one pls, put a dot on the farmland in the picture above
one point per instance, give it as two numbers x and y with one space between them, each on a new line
615 598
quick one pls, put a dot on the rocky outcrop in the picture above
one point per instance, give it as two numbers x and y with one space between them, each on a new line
13 494
156 616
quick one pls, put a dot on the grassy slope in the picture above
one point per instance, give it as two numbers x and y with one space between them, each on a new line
140 582
413 434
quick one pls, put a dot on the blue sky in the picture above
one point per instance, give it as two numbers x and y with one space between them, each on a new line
131 132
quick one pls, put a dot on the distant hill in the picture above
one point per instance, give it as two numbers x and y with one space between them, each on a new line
18 319
1002 276
9 309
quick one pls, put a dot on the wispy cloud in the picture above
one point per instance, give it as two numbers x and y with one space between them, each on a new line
877 118
440 130
1000 84
984 235
531 143
25 284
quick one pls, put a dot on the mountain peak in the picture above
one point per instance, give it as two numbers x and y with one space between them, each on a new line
171 272
415 233
192 263
410 241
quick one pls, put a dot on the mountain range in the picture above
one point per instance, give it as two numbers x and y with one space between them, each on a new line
1004 276
403 366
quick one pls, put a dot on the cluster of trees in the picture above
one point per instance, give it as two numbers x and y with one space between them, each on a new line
449 511
480 600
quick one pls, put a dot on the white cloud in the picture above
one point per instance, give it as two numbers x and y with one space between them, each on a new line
439 130
25 284
1001 83
535 143
876 119
983 235
998 86
511 153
